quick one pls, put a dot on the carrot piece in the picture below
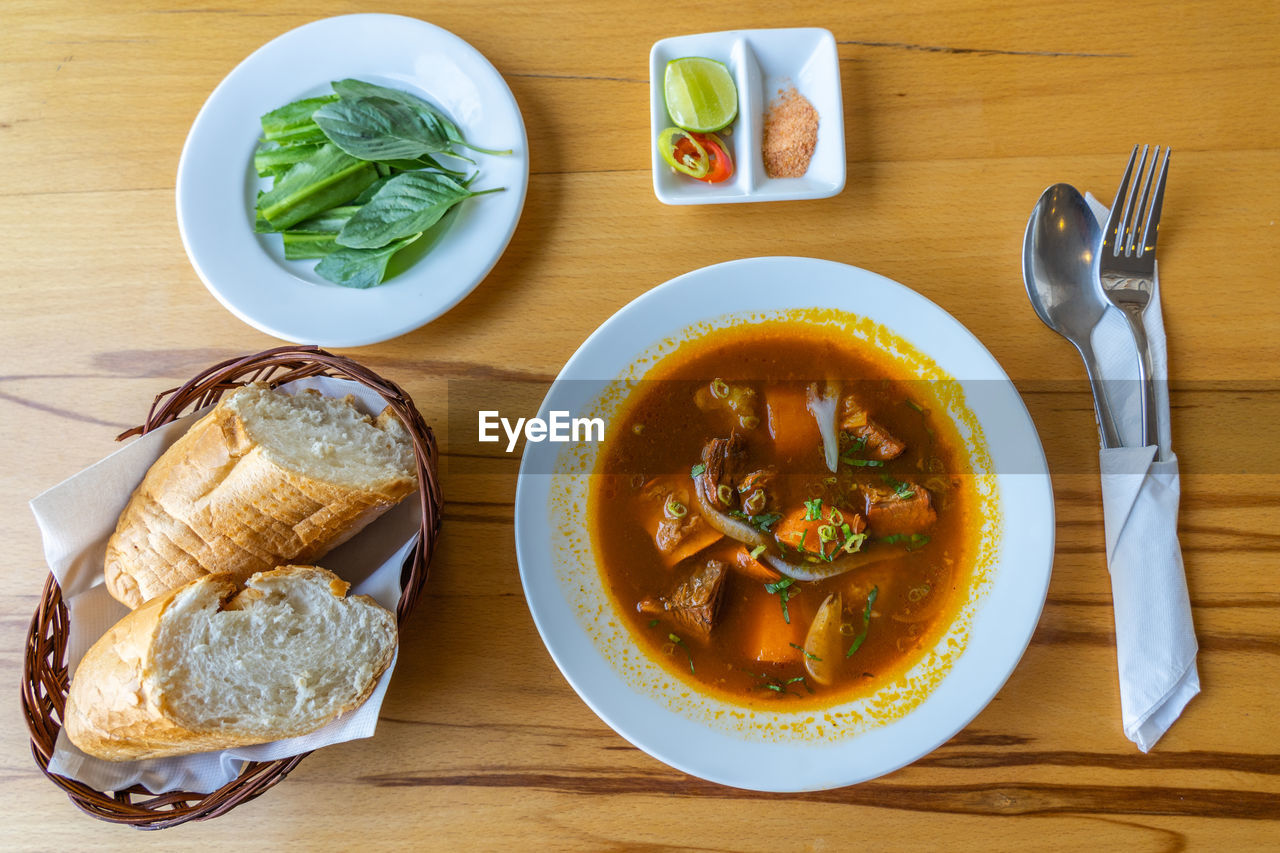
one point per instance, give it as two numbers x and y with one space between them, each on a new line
793 429
770 637
753 568
798 530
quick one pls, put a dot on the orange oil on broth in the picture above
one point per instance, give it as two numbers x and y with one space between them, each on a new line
904 625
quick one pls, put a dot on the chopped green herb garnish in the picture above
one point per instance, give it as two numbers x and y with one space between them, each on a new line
805 651
862 463
866 622
913 404
813 509
918 540
901 489
783 590
778 685
696 470
653 622
679 642
766 520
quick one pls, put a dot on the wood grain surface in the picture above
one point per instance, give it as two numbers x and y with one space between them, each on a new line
958 114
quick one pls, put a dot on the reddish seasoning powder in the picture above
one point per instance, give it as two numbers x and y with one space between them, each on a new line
790 134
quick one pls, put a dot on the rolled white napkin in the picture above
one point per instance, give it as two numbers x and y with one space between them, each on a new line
1155 638
77 517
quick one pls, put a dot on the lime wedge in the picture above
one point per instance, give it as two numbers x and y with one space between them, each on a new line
700 94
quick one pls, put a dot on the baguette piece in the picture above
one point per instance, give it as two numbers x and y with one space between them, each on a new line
264 479
207 667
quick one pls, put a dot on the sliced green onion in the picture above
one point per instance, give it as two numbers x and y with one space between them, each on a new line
854 542
675 509
863 463
724 493
719 389
826 533
757 551
749 421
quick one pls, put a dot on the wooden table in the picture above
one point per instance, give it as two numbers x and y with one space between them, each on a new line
957 116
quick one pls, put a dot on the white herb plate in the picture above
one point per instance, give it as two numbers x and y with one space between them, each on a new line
217 185
762 63
765 749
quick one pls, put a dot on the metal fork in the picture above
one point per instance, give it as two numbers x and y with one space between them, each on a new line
1127 262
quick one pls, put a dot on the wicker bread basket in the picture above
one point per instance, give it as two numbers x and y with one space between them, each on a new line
45 682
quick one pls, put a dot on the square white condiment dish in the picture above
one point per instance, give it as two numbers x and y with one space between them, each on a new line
763 63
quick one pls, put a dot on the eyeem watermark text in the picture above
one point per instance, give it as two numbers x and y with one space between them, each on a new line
559 427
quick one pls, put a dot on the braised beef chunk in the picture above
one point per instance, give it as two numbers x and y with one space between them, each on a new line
723 458
725 464
894 511
876 442
695 601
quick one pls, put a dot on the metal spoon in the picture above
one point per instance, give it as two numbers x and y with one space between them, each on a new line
1057 265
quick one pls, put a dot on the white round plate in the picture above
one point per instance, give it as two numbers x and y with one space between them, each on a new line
780 750
217 186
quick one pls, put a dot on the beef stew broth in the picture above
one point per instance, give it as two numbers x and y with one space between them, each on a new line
843 577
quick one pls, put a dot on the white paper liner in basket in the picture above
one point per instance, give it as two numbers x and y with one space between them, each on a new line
78 516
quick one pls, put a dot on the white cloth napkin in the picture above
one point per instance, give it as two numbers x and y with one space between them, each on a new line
77 517
1155 639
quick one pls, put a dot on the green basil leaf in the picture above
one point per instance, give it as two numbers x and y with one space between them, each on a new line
381 129
409 203
360 268
354 90
370 191
351 90
426 161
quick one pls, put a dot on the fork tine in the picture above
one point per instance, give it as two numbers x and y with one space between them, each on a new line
1119 209
1140 196
1151 226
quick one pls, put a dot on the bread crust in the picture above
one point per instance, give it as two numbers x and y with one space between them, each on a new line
216 501
115 710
